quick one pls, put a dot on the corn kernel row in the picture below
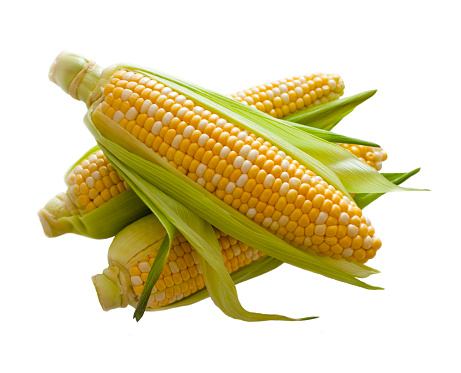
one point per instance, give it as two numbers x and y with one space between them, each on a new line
182 274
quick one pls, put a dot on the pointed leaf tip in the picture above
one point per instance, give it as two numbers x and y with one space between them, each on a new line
308 318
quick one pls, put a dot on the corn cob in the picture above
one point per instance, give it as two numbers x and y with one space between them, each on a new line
131 260
94 181
243 170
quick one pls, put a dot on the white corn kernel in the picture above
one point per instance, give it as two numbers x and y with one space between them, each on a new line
132 113
344 219
152 110
347 252
201 170
322 218
145 106
242 180
90 181
251 213
352 230
252 155
320 229
136 280
283 220
245 150
367 242
198 110
181 112
221 122
295 183
203 139
215 179
285 164
188 131
267 222
224 152
156 127
202 125
230 187
166 90
126 94
180 100
167 118
144 266
128 75
274 226
242 135
118 116
284 176
284 189
246 166
269 181
238 162
176 141
173 266
306 179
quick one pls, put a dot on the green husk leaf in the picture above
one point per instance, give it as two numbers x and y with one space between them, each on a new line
364 199
334 164
152 277
326 116
159 174
58 216
331 136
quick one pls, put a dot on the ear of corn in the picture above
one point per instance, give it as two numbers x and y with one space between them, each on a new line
98 203
181 282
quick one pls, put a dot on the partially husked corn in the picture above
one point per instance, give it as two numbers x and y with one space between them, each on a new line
182 274
282 97
243 170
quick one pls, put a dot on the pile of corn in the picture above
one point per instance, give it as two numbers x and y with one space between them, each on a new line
199 199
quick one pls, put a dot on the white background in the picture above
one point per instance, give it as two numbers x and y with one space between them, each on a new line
408 50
